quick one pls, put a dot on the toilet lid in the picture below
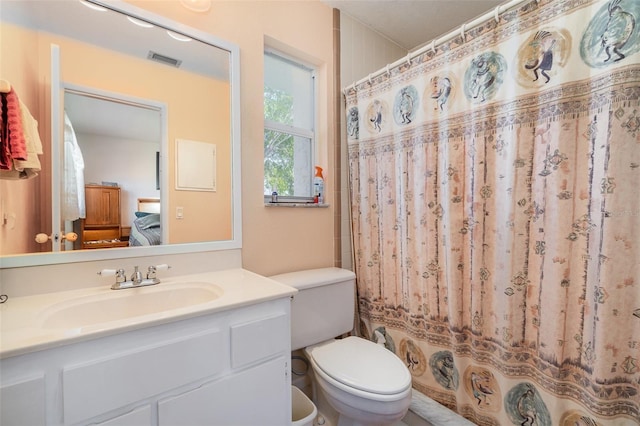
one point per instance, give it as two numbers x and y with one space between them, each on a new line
362 364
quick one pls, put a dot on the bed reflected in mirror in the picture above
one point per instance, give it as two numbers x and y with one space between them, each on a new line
145 228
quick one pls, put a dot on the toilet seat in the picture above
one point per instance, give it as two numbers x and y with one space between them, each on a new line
363 365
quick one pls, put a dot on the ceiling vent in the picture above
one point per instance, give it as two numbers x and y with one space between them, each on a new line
154 56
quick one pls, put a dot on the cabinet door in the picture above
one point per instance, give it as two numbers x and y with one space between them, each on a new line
257 396
103 206
23 403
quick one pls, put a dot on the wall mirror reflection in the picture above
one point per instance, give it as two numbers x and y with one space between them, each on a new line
110 150
111 93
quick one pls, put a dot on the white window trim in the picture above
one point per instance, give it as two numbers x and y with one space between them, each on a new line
286 128
297 131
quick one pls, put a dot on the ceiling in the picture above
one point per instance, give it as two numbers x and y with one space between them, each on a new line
93 115
111 30
125 121
413 23
409 23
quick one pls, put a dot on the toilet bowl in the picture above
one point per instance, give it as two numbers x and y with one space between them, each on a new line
365 383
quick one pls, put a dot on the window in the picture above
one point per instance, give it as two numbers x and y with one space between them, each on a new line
289 127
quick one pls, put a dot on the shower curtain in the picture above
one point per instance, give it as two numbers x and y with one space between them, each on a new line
496 215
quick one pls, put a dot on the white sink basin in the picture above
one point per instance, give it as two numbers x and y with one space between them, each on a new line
127 304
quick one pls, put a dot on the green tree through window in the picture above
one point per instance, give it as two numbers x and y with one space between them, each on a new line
278 147
289 121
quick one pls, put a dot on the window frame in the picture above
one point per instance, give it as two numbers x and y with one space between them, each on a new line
295 131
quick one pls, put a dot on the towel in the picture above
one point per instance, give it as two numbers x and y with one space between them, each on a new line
25 169
15 134
5 152
32 141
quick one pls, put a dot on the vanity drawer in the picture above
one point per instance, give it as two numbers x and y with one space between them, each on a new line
259 339
94 388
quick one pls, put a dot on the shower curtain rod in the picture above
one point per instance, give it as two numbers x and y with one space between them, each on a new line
495 14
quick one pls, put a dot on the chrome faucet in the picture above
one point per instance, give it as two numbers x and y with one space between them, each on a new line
136 279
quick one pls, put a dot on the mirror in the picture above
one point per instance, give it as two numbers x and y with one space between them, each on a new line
112 145
182 81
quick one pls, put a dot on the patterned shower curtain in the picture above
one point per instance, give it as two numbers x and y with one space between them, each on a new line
495 186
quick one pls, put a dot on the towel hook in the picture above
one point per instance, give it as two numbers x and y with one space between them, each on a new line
496 14
462 30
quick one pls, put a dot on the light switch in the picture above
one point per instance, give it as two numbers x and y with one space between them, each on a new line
179 212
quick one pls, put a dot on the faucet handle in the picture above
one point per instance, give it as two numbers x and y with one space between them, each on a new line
119 273
151 272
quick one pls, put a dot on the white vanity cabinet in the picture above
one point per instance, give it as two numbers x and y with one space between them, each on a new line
225 368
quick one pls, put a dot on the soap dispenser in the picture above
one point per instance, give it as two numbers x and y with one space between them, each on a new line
318 185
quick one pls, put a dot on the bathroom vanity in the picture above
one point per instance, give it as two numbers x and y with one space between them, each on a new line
210 348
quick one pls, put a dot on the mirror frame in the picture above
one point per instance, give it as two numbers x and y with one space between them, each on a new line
52 258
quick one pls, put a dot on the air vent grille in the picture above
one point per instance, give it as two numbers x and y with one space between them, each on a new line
155 56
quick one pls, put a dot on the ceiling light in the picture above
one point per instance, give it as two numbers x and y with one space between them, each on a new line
177 36
93 6
197 5
140 23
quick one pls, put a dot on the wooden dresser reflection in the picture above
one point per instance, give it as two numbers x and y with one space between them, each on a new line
102 227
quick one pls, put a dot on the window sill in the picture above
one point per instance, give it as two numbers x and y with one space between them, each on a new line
298 205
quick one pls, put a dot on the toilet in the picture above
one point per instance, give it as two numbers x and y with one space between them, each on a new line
365 383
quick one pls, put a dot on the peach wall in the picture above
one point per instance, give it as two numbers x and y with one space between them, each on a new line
19 200
274 239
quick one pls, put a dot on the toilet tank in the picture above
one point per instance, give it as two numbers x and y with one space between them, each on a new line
323 308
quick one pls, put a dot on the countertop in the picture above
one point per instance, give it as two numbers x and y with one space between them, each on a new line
26 322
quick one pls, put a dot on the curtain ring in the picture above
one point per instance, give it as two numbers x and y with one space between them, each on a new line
496 13
462 30
433 46
370 82
388 72
409 59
